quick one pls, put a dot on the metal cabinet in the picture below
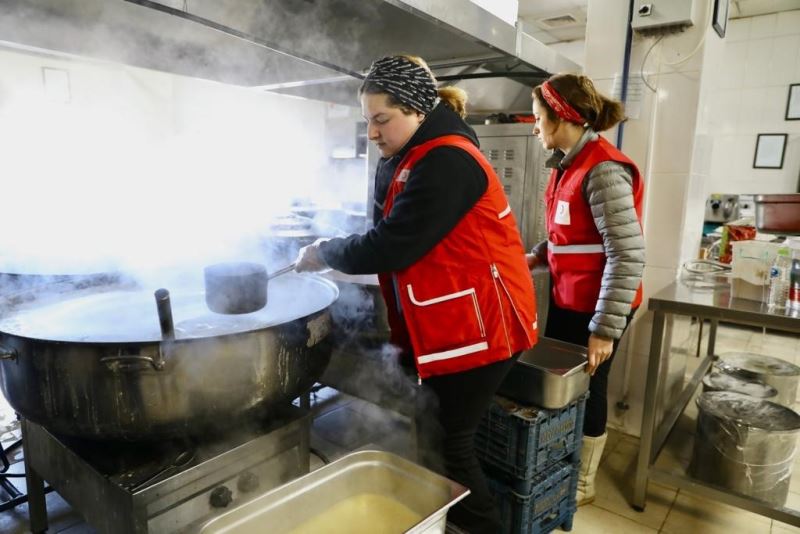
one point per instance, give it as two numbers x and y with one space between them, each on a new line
518 159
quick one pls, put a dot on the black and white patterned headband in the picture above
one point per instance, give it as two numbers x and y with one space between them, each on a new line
410 83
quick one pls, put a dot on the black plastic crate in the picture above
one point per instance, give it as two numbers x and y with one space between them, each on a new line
521 440
549 505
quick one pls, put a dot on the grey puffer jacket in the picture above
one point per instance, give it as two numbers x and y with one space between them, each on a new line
609 191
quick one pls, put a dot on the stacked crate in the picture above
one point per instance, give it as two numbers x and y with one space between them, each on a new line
531 457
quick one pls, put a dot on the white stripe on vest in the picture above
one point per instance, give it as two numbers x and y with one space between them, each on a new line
575 249
461 351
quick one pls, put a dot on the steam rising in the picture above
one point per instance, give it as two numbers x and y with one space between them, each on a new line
146 172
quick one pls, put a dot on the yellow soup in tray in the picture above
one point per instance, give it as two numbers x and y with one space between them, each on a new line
365 513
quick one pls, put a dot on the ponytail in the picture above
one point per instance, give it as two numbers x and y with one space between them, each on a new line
455 98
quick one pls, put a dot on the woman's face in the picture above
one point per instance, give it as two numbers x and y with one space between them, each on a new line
388 127
545 128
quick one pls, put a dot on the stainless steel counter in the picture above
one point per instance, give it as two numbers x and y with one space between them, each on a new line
716 303
712 302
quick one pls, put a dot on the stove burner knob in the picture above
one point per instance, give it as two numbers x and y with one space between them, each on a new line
221 497
247 482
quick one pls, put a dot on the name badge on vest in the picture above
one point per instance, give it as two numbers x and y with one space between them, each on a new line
403 176
562 213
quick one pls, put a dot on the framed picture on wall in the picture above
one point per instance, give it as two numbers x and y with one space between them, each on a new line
770 149
793 103
720 19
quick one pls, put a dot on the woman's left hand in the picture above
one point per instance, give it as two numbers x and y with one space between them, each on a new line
599 350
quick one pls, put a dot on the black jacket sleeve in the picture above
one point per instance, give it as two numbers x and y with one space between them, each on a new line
442 187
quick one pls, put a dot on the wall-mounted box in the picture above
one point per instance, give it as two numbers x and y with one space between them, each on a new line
652 14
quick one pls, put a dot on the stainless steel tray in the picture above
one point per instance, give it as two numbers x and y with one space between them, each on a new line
387 476
550 375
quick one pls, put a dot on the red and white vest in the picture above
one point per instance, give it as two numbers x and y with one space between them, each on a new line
575 250
470 300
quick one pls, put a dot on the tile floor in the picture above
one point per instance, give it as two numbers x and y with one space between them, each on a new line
668 510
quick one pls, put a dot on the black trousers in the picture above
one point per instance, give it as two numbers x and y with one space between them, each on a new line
573 327
449 408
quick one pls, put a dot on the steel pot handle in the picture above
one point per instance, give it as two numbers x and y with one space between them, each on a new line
8 354
156 361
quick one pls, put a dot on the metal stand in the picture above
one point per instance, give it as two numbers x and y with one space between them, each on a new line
35 488
37 507
225 472
714 306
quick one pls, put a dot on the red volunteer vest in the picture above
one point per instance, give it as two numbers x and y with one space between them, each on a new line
470 300
575 250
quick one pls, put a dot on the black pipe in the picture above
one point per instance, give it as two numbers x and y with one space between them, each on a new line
165 314
626 65
505 74
16 501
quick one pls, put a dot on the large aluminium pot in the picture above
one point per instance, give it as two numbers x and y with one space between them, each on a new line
92 364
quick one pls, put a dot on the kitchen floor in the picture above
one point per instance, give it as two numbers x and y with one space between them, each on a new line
668 510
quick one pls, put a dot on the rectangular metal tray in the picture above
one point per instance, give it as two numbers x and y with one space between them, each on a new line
550 375
424 492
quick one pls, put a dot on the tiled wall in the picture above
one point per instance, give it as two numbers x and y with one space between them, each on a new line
745 85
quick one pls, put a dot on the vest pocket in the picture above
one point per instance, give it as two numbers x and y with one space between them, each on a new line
446 326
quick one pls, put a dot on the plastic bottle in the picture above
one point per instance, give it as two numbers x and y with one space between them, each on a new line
779 275
793 300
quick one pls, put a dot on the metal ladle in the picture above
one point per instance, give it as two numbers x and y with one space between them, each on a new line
289 268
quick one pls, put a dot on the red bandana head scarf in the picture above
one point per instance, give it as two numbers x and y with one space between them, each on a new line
561 106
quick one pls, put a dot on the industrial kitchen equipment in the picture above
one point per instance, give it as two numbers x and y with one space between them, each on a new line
142 433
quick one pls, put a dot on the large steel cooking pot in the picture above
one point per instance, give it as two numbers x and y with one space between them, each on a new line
93 364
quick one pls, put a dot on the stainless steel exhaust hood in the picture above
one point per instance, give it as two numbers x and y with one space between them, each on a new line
311 48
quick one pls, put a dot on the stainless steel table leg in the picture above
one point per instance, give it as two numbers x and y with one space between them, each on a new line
712 336
37 507
649 414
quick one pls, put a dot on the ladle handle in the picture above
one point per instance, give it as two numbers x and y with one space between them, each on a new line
165 314
285 270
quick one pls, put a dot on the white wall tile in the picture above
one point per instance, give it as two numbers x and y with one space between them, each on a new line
655 279
675 120
758 62
721 111
750 106
737 30
734 58
788 22
666 194
773 116
784 59
721 163
693 216
763 26
701 154
742 154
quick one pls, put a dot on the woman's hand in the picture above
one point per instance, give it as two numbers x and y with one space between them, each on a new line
599 350
309 258
532 259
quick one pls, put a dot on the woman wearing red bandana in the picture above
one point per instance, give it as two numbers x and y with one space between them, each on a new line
594 248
